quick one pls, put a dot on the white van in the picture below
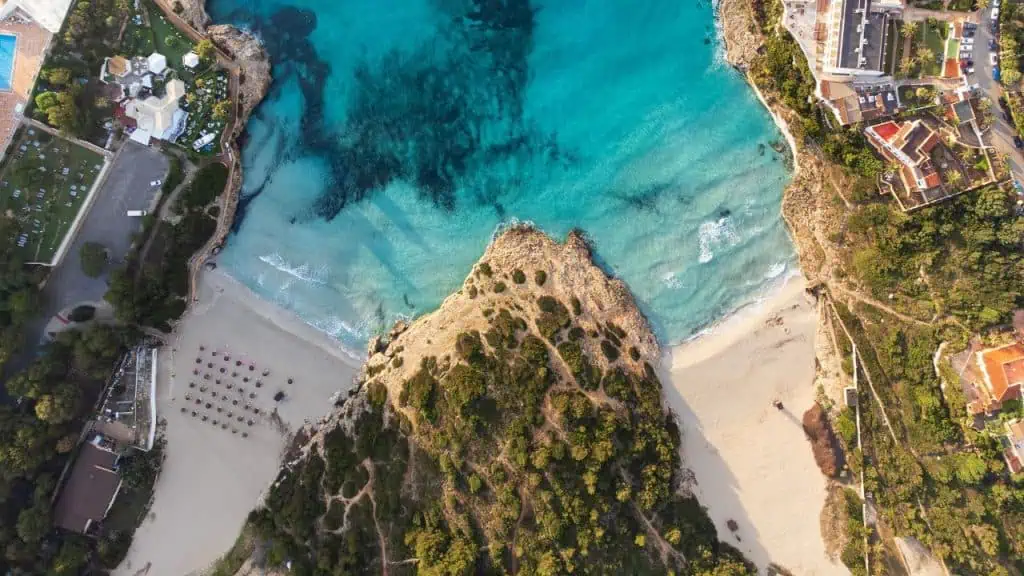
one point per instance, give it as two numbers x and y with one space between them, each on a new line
136 213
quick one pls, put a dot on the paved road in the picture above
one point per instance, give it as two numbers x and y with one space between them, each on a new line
1002 131
127 188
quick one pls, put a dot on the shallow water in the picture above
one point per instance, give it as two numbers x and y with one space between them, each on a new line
400 134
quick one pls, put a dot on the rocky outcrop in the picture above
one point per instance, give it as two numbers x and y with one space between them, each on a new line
739 31
193 11
569 276
254 63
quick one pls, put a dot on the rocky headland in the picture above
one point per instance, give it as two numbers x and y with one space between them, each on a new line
520 427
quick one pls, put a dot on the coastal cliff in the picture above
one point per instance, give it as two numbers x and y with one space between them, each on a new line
254 67
807 208
520 427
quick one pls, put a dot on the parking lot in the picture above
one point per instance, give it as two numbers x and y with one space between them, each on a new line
128 187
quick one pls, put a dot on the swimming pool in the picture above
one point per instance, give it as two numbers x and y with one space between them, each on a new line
8 46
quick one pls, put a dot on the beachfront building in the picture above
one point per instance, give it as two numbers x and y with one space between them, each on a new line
47 13
851 104
908 144
91 487
855 37
158 117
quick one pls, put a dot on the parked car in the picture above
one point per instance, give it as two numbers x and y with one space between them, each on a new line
995 73
970 69
1018 142
992 45
993 59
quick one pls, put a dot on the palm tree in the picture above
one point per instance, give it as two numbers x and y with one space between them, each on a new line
955 178
906 65
909 29
982 4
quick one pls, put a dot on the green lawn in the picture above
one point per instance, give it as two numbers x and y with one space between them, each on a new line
36 191
934 38
200 111
892 39
138 39
953 49
169 40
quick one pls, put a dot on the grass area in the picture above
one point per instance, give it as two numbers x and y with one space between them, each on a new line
43 184
910 97
208 89
169 40
891 41
963 5
138 38
932 37
952 49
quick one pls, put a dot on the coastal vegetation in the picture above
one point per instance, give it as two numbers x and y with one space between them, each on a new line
153 291
56 393
512 448
901 284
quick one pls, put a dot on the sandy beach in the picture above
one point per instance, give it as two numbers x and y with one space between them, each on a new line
212 475
752 463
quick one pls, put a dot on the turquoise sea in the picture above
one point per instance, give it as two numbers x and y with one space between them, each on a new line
399 135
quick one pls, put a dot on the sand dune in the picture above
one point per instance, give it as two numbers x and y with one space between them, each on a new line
213 477
752 462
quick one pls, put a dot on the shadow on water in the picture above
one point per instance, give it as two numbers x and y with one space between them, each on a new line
437 116
719 484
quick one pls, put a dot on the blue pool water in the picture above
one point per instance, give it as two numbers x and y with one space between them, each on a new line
399 134
8 48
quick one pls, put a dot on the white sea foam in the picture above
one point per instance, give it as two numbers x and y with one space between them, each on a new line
713 234
775 270
510 223
671 280
305 272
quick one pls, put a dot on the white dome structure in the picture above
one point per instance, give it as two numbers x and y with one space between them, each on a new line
157 63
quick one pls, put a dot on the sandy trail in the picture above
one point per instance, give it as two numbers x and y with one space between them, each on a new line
752 463
212 476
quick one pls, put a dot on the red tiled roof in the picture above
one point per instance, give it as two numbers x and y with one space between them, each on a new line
886 130
1004 371
932 180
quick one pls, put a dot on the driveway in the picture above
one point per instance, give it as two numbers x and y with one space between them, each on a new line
1002 132
127 188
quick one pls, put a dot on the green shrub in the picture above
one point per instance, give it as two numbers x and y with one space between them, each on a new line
485 269
577 308
518 276
609 350
634 353
540 277
499 287
93 258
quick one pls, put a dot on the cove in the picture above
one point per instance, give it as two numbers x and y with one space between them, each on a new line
400 134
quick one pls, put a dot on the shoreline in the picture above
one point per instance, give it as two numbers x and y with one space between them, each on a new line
213 475
751 464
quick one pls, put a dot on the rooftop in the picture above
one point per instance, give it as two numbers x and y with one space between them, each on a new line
89 491
1003 370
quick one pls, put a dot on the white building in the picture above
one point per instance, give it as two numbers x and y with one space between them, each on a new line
47 13
190 60
155 117
157 63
